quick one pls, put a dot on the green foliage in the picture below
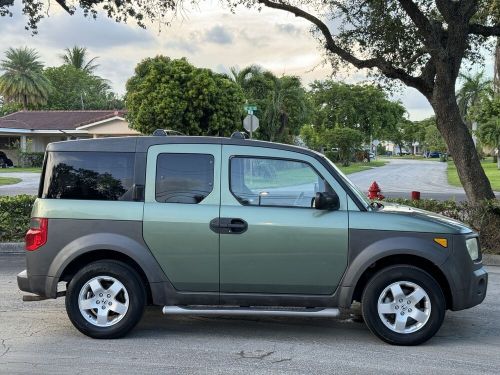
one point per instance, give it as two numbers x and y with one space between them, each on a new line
473 88
77 89
31 159
15 214
433 139
483 217
23 80
487 114
312 137
8 108
282 105
346 140
166 93
362 107
77 57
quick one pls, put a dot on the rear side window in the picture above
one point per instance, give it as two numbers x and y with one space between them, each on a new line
89 175
184 178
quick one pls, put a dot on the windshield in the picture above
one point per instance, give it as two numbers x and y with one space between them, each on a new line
358 193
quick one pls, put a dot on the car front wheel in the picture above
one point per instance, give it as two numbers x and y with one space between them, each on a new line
105 299
403 305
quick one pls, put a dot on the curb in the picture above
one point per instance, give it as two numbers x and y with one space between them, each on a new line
12 248
491 260
18 248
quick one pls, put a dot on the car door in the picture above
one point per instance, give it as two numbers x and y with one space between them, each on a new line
276 241
182 196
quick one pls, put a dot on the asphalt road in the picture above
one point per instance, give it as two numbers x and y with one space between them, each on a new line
28 185
37 338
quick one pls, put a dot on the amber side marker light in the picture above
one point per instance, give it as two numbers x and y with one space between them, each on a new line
441 241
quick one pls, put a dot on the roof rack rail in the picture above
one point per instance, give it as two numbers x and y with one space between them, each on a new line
165 132
238 135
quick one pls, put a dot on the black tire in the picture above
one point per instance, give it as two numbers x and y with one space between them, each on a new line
134 288
384 278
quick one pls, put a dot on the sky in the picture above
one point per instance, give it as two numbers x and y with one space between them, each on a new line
209 36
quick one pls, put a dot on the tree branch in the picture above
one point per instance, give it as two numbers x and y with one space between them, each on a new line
383 65
485 31
63 5
423 24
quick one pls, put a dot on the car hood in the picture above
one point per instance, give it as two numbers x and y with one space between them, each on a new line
423 221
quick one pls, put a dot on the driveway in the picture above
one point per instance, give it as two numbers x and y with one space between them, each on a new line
401 176
28 185
37 338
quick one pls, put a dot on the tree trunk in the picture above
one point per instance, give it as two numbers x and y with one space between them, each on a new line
25 102
496 74
460 144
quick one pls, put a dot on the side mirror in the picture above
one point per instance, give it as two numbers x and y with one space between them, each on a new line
327 201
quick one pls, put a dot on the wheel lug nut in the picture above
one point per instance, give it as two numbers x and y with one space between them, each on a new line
402 312
100 294
396 307
109 303
98 302
103 307
408 302
401 300
409 310
109 296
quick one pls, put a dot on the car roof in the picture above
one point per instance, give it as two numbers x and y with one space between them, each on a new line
142 143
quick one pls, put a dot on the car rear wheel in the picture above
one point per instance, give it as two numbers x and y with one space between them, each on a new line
403 305
105 299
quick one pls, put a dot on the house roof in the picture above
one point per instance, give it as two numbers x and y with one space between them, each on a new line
55 120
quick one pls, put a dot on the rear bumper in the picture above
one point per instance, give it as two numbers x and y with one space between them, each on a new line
34 284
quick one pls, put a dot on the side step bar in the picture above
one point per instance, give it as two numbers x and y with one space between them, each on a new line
256 311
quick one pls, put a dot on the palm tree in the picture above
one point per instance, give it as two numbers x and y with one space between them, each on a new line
473 88
77 56
489 133
23 80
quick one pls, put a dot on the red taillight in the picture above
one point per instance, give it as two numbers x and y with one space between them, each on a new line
37 234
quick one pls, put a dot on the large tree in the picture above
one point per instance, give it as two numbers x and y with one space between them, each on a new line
78 89
282 105
362 107
22 80
172 94
420 43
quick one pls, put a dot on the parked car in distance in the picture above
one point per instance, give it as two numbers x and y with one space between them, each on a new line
215 226
434 154
5 162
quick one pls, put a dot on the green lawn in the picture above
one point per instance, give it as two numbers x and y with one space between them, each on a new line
489 167
17 169
358 167
9 180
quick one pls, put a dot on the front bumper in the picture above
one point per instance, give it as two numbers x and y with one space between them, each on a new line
475 293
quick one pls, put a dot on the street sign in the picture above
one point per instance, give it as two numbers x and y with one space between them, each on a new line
375 142
251 124
250 108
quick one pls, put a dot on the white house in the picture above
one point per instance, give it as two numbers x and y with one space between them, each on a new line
33 130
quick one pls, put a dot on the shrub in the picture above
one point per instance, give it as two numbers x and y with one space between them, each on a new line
15 214
483 218
31 159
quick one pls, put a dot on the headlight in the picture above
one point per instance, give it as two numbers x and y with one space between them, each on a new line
472 248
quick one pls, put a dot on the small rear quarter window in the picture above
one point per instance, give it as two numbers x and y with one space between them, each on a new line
88 175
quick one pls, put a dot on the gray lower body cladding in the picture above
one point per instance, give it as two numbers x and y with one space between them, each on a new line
68 240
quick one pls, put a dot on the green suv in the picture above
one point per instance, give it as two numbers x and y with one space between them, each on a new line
216 226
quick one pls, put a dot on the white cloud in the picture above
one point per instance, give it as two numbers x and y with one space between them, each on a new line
209 36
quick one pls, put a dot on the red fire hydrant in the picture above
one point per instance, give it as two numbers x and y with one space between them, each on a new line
374 192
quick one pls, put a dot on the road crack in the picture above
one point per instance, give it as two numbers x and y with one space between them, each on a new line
5 347
258 354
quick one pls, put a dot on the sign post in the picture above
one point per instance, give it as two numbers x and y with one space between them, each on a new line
251 122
